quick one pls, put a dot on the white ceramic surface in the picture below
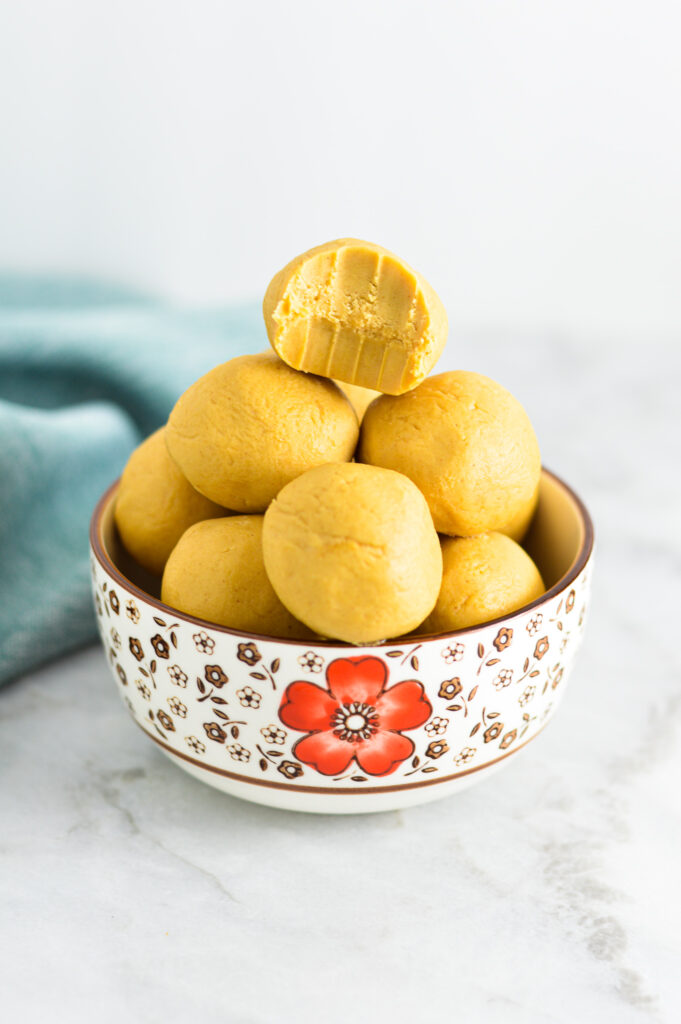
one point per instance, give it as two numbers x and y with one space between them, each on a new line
331 728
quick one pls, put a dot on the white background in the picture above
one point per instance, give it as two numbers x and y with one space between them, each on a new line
525 156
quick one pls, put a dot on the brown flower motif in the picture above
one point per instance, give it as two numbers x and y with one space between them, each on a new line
136 648
311 662
203 642
160 646
132 611
144 690
449 688
503 639
214 732
533 625
503 679
436 749
166 721
570 601
248 653
114 602
248 697
216 676
238 753
436 726
290 769
195 744
121 675
273 734
541 648
177 707
492 732
508 739
453 653
466 755
557 678
527 695
178 677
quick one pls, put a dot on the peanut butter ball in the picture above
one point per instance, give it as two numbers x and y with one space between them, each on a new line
216 572
483 578
155 504
467 444
247 428
352 552
354 311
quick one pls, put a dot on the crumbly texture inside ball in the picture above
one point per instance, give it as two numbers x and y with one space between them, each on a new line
351 550
353 310
216 572
467 444
248 427
483 578
156 503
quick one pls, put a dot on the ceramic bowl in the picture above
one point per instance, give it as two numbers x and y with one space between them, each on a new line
332 728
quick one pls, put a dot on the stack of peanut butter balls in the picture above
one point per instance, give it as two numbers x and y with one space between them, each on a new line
329 487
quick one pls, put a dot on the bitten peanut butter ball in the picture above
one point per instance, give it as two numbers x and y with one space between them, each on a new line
216 572
483 578
247 428
352 552
354 311
155 504
467 444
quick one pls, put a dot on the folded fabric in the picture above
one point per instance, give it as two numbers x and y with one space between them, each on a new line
86 371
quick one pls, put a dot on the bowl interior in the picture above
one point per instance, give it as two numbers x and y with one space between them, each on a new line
559 538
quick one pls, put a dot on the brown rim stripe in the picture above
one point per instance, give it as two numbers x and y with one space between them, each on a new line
343 790
97 544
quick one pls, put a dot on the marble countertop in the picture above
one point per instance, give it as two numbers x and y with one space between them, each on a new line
548 893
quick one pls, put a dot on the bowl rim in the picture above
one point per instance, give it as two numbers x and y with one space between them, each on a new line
578 564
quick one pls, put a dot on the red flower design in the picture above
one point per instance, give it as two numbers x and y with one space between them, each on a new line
356 718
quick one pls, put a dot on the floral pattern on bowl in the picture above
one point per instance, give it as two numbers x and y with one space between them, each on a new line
323 726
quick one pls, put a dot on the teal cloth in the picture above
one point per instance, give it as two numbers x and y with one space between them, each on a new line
86 371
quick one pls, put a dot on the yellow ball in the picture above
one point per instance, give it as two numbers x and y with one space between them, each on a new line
251 425
467 444
155 504
216 572
354 311
483 578
351 550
